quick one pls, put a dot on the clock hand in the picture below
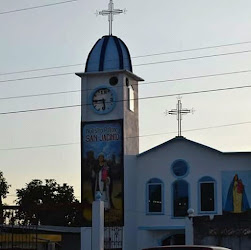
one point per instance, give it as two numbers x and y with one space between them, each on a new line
103 100
99 100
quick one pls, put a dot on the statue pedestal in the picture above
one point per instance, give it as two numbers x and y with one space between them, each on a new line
189 231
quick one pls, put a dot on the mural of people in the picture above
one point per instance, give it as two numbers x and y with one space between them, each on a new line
101 181
236 200
102 169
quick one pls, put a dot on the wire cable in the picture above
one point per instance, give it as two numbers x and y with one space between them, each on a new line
36 7
36 77
199 76
145 83
135 65
41 146
43 94
124 100
194 49
168 80
129 137
40 109
196 129
41 69
194 58
141 56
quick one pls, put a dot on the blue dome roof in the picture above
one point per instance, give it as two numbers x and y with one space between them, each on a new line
108 54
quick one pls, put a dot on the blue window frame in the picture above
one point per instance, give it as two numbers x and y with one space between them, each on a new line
180 198
154 196
207 195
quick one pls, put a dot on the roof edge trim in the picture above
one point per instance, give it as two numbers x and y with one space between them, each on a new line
135 77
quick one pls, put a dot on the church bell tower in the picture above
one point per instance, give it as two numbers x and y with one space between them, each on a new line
110 132
109 128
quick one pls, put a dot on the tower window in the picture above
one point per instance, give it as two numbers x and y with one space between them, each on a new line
131 102
127 82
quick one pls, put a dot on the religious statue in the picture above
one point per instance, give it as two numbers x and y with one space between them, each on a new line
236 201
101 180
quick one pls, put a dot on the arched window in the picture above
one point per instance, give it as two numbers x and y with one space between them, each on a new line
207 193
180 198
154 196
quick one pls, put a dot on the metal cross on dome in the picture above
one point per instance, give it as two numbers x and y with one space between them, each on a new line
179 112
110 13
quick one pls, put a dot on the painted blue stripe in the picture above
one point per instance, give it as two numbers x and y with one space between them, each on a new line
88 58
102 54
128 53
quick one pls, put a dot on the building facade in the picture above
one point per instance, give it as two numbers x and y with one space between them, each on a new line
147 194
182 174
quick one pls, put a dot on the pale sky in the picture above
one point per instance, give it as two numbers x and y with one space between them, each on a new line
46 144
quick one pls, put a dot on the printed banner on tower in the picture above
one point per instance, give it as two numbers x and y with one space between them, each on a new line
102 169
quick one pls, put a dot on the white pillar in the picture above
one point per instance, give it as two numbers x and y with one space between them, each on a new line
86 238
189 231
52 246
98 224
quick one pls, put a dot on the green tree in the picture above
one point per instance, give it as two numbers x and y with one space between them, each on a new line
47 203
4 190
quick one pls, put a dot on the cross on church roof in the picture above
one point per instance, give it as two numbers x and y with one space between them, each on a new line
179 112
110 13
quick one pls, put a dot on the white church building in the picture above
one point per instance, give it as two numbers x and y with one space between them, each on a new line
147 194
186 175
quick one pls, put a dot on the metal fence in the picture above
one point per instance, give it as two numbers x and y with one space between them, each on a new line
113 237
18 237
14 234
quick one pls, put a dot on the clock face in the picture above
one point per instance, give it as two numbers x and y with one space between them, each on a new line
103 100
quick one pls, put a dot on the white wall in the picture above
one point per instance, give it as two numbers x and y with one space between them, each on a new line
202 161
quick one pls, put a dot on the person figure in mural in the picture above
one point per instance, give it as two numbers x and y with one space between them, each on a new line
101 181
236 201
